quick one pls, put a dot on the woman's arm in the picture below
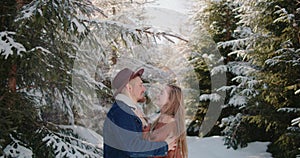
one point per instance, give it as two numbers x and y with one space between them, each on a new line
162 132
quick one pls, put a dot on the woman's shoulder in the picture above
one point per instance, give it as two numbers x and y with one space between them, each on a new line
167 119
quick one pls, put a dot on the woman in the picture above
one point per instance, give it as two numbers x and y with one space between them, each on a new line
170 122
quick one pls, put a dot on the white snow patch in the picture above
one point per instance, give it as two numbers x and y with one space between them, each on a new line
213 147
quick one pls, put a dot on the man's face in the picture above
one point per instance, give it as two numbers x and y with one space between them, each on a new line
137 89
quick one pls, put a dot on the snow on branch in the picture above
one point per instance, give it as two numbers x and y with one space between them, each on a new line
86 134
29 10
76 25
42 49
219 69
289 110
242 32
238 101
231 124
230 120
211 97
286 55
69 146
154 33
284 15
136 33
240 68
227 88
241 79
72 14
245 88
8 46
17 149
163 34
239 53
36 7
296 121
234 44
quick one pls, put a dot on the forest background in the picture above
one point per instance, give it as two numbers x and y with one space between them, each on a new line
57 57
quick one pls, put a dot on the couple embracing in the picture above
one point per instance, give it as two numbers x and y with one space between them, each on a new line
127 132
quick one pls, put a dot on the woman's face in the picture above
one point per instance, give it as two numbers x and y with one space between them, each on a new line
163 97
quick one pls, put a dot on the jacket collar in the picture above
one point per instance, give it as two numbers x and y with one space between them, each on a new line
124 98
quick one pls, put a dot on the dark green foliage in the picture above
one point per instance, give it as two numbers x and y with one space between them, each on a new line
274 52
7 12
220 23
203 74
242 134
17 115
36 82
280 79
287 145
222 19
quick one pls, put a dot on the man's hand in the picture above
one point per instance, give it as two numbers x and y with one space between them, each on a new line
172 143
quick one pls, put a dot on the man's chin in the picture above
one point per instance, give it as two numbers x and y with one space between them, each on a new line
142 100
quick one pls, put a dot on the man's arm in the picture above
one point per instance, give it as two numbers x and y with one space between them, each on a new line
126 130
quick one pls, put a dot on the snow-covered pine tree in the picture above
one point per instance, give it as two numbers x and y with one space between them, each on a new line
263 75
241 86
38 44
274 51
40 41
219 19
279 59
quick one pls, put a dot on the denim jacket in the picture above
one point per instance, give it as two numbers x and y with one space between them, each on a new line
123 138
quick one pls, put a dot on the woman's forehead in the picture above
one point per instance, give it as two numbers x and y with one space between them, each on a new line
166 89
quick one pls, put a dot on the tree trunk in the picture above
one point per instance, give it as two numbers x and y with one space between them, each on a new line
20 4
12 79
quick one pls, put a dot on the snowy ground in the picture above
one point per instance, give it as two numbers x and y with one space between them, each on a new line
208 147
212 147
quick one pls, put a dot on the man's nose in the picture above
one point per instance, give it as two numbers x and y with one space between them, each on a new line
144 88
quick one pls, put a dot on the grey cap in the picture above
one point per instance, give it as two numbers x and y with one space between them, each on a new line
123 77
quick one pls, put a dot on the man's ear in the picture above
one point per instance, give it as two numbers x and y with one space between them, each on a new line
128 86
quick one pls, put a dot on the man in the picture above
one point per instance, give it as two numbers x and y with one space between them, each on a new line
124 123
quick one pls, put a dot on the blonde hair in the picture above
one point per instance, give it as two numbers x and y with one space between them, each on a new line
176 109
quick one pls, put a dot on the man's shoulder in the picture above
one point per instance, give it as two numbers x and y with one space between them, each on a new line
123 116
120 107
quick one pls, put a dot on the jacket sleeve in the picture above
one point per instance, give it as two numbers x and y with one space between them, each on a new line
126 134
